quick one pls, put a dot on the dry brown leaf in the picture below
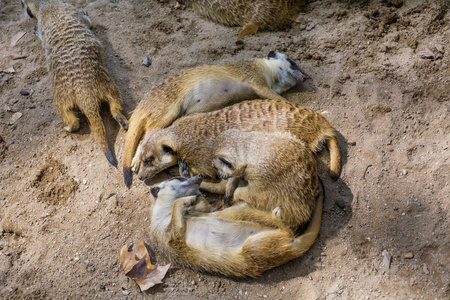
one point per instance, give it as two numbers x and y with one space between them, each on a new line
17 37
15 116
137 265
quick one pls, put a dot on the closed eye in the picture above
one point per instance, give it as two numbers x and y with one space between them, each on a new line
149 160
226 162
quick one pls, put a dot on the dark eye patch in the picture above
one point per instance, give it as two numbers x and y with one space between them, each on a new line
149 160
226 162
155 191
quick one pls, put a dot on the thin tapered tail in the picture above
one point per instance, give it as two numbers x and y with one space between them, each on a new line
335 156
98 128
303 242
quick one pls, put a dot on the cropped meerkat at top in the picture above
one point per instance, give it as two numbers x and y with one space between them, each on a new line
75 59
253 15
207 88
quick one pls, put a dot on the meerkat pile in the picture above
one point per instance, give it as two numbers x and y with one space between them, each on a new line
227 123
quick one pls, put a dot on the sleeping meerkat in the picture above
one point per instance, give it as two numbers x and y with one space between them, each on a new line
207 88
239 241
268 170
192 138
251 14
75 60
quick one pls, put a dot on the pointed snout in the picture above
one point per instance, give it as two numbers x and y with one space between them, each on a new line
195 180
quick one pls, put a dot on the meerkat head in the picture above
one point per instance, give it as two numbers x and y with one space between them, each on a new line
31 8
285 71
227 158
157 152
176 187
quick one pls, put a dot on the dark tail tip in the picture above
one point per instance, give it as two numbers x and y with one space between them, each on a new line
110 157
127 176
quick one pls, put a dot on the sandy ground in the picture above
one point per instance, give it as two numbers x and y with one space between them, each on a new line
65 212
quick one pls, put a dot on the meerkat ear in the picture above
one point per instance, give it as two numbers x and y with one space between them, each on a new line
155 191
168 149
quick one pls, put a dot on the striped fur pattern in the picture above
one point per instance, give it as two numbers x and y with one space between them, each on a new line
75 59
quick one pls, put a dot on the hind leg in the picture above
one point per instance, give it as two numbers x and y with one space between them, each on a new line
116 111
68 116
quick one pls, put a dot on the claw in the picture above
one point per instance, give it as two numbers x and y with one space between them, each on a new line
184 170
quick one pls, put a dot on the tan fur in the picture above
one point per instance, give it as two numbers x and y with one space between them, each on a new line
239 241
251 14
192 138
207 88
269 170
75 59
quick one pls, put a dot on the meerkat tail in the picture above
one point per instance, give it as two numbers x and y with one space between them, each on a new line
335 156
98 129
303 242
134 134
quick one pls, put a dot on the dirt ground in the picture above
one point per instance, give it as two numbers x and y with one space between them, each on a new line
65 212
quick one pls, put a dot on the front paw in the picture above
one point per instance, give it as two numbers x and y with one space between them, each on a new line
135 164
184 170
192 200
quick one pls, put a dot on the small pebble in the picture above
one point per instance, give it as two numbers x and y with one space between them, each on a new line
409 255
102 287
387 258
146 61
24 93
6 78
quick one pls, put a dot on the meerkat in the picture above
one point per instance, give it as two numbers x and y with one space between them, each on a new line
207 88
268 170
238 241
75 59
191 138
253 15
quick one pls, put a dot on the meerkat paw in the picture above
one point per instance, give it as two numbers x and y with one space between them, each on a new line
276 212
72 127
184 170
123 123
192 200
135 164
249 28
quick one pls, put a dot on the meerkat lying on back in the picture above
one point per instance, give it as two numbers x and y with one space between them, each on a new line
238 241
251 14
192 138
207 88
75 59
268 170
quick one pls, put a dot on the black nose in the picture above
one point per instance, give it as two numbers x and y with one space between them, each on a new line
141 178
272 54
